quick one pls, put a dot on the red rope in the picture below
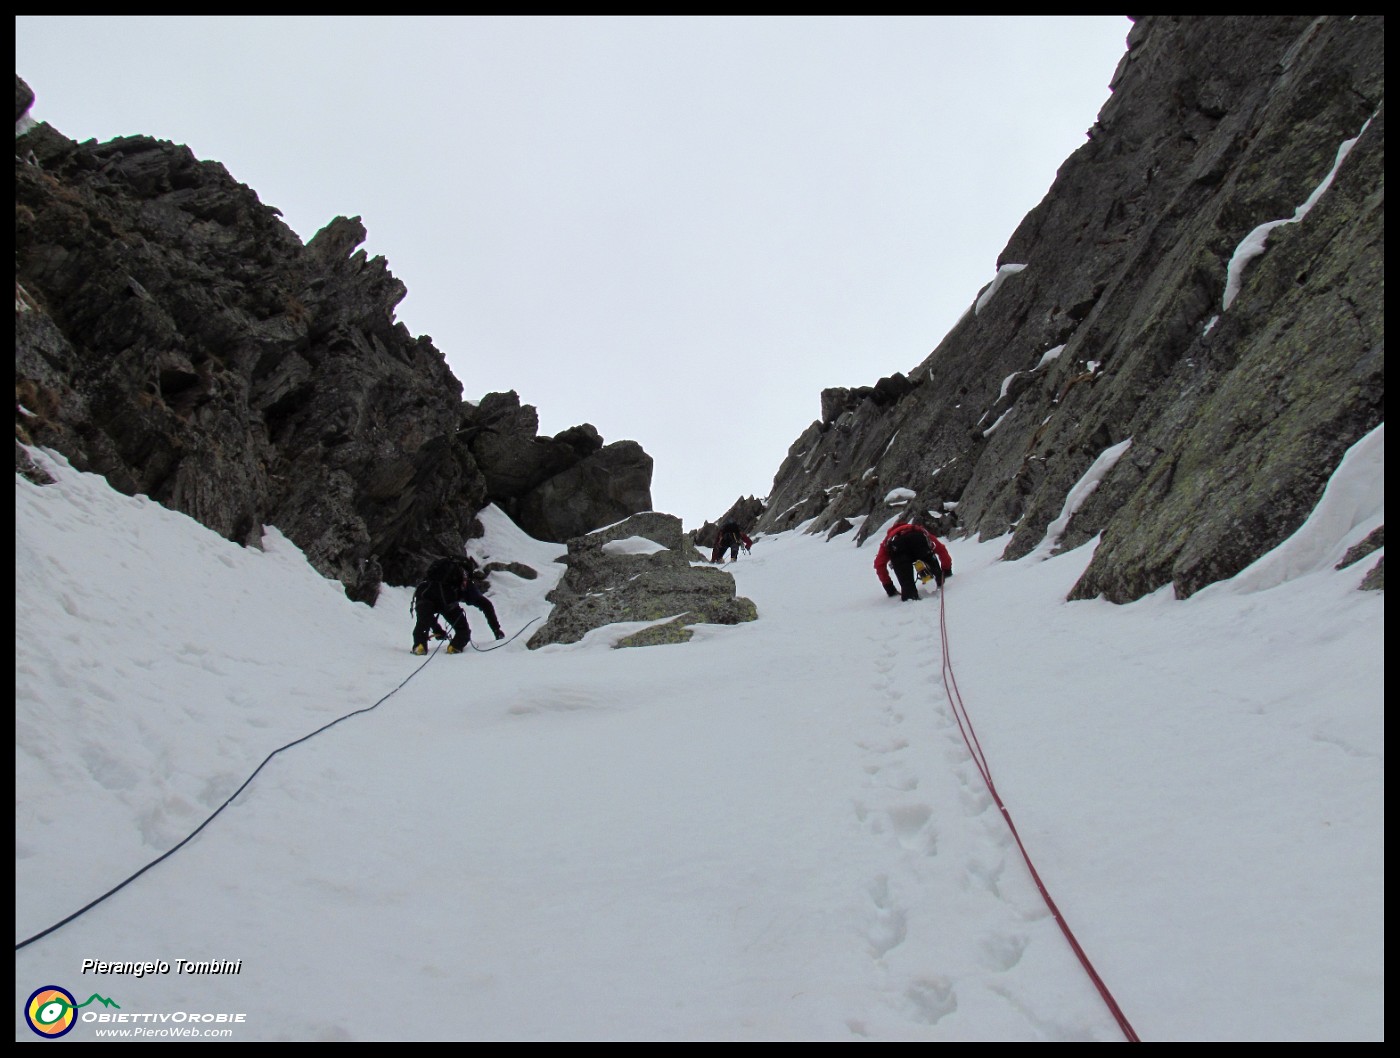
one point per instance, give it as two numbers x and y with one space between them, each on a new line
974 747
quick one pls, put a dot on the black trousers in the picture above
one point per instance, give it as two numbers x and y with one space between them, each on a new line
427 618
726 543
905 550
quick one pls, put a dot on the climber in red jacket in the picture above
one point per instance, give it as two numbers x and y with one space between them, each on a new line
904 545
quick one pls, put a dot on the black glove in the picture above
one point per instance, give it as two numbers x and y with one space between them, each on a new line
498 633
891 591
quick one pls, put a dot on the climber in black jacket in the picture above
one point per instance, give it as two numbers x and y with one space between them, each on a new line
448 584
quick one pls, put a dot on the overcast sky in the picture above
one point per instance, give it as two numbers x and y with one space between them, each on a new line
678 229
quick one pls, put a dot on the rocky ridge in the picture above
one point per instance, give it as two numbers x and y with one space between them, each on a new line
1203 281
175 336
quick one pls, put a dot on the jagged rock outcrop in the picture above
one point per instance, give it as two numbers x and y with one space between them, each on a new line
556 487
600 489
639 569
175 336
1375 576
1204 280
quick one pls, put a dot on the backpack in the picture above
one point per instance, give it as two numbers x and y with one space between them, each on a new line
449 571
443 579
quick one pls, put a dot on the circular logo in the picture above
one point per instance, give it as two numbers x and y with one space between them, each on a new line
51 1011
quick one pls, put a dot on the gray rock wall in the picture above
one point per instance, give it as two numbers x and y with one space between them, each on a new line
1237 415
602 586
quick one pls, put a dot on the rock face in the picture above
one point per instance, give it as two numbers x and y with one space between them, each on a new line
639 570
1135 304
175 336
556 487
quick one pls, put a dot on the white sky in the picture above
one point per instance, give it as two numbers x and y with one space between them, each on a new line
774 832
678 229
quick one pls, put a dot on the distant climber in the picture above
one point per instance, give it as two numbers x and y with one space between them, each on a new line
731 537
905 544
448 583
